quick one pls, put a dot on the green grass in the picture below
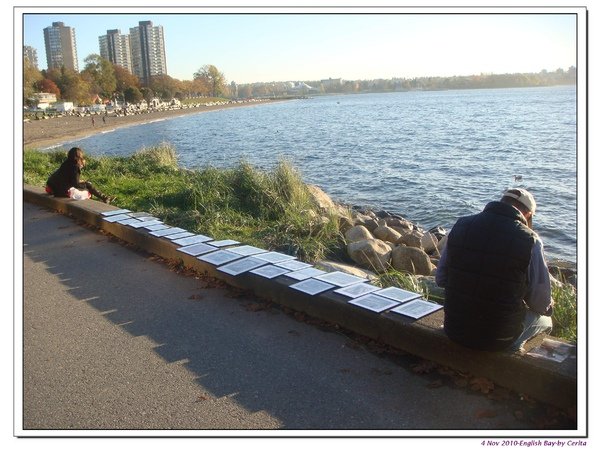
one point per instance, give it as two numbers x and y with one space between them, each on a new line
273 209
564 317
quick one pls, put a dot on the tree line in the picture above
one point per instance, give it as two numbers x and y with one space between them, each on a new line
101 80
482 81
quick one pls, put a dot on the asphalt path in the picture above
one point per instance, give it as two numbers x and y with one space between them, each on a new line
114 339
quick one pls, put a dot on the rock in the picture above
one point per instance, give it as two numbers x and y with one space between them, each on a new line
387 234
366 221
400 223
322 200
433 290
429 243
357 233
371 253
345 223
412 239
438 232
442 244
331 266
412 260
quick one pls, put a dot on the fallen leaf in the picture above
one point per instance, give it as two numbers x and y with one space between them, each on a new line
485 414
195 297
482 384
435 384
424 366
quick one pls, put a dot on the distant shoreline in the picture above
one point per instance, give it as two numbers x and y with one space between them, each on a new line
45 133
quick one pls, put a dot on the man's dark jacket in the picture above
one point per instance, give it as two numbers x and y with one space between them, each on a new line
488 257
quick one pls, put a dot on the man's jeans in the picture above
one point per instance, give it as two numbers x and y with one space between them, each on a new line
533 324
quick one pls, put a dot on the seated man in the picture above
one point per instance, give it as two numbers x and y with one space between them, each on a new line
495 276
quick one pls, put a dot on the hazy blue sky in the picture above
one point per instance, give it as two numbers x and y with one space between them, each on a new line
284 47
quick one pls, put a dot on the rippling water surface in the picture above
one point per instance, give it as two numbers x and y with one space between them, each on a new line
429 156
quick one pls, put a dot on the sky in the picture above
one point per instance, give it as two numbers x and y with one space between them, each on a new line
308 45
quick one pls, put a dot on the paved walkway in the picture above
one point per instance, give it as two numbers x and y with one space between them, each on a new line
115 340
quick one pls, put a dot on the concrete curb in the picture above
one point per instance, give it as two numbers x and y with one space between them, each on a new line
547 381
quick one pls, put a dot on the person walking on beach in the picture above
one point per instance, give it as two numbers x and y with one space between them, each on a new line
93 122
67 177
498 292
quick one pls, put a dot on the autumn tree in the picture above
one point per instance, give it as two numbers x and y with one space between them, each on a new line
164 86
133 95
31 76
124 79
48 86
101 75
73 87
147 93
210 76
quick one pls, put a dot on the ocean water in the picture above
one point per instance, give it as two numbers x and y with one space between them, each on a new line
430 156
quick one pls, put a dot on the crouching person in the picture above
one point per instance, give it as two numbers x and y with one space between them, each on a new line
67 176
498 292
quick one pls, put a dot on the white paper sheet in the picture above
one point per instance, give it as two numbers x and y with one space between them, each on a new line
242 265
269 271
115 212
155 226
130 221
417 308
374 302
400 295
116 218
340 279
224 243
179 235
552 350
312 286
273 257
294 265
167 231
192 240
219 257
304 274
197 249
357 290
142 223
246 250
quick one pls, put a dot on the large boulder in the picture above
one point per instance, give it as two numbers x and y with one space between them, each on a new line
412 239
429 243
366 221
357 233
373 254
411 259
387 234
322 200
402 225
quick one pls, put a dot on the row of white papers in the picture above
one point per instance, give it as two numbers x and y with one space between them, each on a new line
234 259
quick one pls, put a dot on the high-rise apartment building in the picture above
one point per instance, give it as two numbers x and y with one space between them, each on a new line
61 49
30 54
148 51
116 48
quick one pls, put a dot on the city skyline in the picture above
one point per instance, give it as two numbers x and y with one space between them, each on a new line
284 47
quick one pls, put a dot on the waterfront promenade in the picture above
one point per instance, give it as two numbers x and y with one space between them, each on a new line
116 340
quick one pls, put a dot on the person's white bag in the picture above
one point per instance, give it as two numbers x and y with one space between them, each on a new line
77 194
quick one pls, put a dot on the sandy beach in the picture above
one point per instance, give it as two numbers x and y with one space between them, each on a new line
49 132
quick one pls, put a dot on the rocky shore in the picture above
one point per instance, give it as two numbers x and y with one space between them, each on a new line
378 242
48 131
